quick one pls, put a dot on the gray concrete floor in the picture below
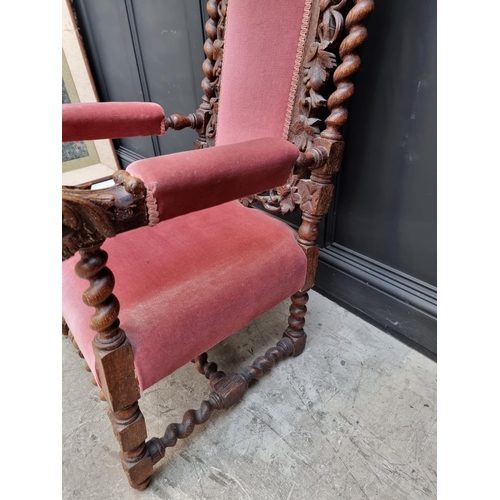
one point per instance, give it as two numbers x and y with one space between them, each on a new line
354 417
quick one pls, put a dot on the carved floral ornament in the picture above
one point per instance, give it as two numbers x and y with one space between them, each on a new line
84 221
319 61
89 217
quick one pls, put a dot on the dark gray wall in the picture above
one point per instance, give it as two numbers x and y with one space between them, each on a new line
380 244
148 50
387 205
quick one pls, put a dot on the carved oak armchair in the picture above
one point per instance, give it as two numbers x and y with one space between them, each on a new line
190 263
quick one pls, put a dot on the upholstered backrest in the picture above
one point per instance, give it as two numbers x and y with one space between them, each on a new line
263 47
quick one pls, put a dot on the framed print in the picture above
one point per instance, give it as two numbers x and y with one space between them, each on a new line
83 161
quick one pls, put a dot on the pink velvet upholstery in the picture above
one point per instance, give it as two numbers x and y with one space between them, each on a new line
194 180
111 120
260 48
188 283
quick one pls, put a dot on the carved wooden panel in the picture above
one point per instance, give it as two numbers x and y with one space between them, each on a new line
89 217
319 61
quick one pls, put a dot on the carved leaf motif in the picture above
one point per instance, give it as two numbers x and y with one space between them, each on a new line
77 229
288 202
316 100
91 211
286 205
330 27
282 199
89 217
218 49
70 218
317 69
334 4
246 202
85 221
214 113
310 55
308 193
287 197
304 130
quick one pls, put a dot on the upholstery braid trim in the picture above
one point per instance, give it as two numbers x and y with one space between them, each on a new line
152 205
221 77
304 28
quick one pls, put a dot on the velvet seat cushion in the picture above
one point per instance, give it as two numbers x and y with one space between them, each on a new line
189 282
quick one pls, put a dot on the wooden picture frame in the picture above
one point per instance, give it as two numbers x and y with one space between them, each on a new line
85 161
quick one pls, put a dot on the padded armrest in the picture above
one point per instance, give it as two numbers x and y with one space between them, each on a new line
193 180
111 120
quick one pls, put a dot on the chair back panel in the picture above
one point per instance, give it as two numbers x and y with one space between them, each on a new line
262 53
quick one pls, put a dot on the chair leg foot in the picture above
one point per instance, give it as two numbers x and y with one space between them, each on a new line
141 486
130 431
299 343
139 474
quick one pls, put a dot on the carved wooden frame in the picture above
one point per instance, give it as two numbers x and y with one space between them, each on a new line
89 217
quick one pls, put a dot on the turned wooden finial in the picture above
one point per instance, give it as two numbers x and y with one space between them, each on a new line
179 122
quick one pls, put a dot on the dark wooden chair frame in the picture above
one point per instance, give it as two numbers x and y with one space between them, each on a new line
89 217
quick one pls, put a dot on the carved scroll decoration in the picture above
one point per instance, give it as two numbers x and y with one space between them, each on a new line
89 217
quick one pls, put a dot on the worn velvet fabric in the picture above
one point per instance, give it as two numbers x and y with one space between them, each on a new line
189 282
194 180
111 120
260 48
204 273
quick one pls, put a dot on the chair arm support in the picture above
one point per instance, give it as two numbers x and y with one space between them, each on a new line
178 122
168 186
111 120
194 180
312 159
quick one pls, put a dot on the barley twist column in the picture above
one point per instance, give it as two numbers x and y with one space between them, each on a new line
351 62
115 366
